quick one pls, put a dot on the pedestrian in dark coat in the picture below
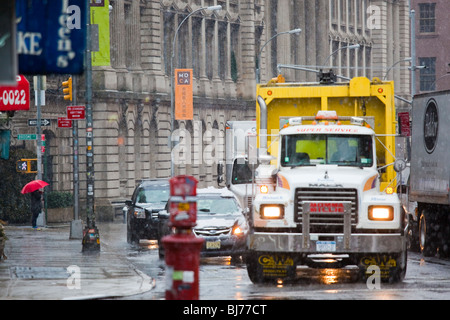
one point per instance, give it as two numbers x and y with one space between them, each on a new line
36 206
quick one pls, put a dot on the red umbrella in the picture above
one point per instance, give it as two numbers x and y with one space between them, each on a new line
33 186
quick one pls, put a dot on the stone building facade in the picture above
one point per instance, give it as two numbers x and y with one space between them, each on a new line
131 96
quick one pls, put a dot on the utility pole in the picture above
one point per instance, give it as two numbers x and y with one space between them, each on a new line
413 53
38 91
76 228
39 96
91 236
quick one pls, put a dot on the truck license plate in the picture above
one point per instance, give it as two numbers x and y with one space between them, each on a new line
326 246
213 245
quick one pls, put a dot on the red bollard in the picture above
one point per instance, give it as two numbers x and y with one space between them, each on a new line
182 249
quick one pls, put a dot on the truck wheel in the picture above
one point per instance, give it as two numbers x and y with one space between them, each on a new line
270 267
389 267
426 234
398 273
413 235
254 273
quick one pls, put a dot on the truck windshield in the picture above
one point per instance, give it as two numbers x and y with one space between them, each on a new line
309 150
241 172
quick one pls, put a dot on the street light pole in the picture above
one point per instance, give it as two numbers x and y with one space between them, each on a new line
91 236
172 83
389 69
258 69
353 46
413 53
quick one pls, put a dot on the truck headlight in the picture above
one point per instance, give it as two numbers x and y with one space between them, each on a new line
381 213
272 211
139 213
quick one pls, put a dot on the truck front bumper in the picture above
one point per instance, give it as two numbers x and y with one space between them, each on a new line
326 243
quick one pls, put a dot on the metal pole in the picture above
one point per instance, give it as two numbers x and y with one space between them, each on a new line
76 182
76 228
413 53
39 132
38 127
91 238
258 65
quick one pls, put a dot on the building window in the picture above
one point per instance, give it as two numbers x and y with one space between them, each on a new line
427 17
223 56
169 32
209 48
428 74
196 46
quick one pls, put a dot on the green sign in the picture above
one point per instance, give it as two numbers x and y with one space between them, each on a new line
26 137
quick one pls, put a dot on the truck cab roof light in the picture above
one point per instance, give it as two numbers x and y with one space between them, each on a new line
295 121
326 115
357 121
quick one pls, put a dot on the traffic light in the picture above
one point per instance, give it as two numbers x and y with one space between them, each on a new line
67 89
22 166
26 165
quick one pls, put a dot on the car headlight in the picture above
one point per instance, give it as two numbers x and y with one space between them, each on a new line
237 231
139 213
272 211
381 213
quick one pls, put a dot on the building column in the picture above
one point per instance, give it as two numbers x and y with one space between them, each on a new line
134 46
118 42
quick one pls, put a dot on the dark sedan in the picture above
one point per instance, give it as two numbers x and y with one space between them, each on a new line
149 197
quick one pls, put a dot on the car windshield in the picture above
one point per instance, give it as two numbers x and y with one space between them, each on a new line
152 195
343 150
216 206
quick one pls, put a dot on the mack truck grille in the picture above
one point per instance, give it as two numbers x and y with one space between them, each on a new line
326 222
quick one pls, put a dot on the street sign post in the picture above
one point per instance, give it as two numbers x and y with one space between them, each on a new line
16 97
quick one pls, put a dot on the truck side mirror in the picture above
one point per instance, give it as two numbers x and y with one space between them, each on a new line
219 172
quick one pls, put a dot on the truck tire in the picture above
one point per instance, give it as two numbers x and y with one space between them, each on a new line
270 267
398 273
391 266
427 236
254 272
413 235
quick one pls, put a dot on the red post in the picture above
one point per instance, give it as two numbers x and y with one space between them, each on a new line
182 249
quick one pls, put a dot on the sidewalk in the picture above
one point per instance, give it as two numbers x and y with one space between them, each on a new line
46 264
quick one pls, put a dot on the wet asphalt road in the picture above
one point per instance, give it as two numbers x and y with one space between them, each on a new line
426 279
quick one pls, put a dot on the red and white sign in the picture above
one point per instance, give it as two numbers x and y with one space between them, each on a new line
326 207
15 97
76 112
64 123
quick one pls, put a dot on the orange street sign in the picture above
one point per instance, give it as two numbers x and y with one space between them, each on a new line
184 109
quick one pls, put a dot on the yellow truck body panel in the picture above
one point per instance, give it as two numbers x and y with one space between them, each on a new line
360 97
